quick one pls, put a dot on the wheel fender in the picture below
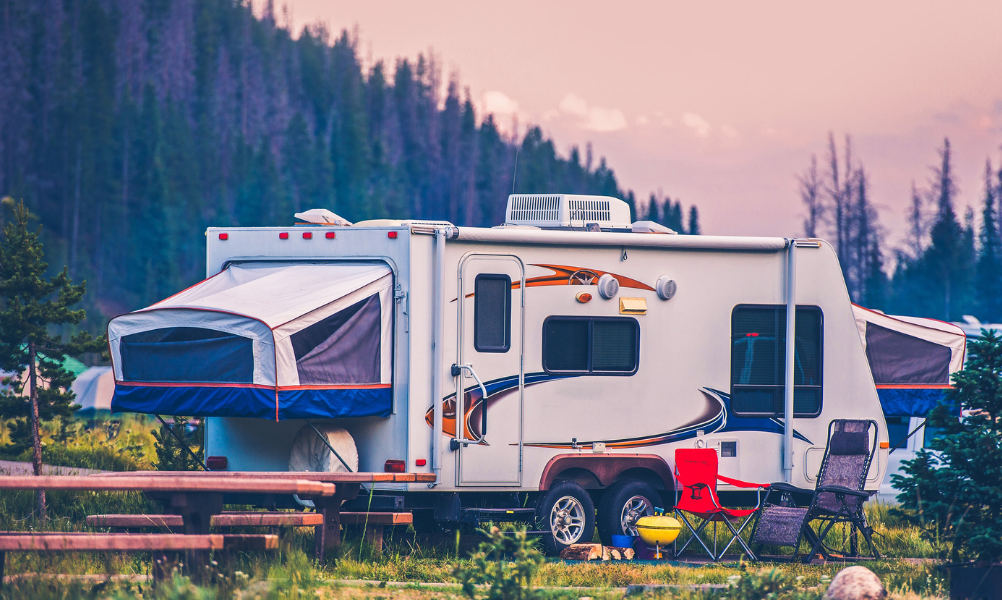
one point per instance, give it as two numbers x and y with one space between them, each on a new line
606 467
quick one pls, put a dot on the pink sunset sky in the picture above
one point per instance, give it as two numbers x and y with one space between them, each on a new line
720 104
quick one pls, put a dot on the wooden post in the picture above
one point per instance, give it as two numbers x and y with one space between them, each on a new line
374 536
328 535
197 508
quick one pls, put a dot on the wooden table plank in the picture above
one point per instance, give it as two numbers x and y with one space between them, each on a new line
378 518
226 519
336 477
168 483
62 542
126 521
250 541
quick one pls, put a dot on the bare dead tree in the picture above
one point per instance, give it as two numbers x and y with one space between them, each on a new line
810 193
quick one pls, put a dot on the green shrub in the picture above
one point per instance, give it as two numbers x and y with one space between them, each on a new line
771 584
954 491
171 453
504 563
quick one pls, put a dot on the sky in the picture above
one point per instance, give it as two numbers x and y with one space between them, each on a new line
719 104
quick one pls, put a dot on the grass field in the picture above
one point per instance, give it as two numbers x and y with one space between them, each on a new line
416 566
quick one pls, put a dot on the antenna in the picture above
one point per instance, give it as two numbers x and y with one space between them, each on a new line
515 171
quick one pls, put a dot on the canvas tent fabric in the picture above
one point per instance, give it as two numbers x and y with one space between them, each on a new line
94 389
911 359
267 340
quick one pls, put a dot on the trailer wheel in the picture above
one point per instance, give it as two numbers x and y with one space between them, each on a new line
622 504
568 514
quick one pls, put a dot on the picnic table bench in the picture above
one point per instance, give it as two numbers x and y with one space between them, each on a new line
374 523
222 520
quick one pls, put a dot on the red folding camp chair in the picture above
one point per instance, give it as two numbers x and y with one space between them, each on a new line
696 472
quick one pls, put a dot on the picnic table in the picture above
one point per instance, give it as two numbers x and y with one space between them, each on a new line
195 498
348 485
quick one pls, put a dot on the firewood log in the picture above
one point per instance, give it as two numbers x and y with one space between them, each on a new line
582 552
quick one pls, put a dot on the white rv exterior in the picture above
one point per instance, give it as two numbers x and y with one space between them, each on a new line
651 375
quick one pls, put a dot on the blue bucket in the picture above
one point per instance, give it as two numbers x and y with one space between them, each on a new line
622 541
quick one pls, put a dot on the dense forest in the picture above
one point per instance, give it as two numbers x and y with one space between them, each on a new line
946 268
128 126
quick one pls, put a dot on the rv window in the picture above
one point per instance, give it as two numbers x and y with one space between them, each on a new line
591 345
492 313
758 361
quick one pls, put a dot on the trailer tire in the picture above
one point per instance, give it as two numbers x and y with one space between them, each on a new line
567 512
624 502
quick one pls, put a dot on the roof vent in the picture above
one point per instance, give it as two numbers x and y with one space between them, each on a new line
566 210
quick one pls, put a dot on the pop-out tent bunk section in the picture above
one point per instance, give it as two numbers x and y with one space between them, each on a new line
266 340
911 359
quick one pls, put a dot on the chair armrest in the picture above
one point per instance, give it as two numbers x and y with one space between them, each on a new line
782 486
741 484
841 489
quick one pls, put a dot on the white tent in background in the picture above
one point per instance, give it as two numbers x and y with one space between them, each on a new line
94 389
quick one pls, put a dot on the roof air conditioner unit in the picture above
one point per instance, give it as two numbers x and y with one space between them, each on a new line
567 210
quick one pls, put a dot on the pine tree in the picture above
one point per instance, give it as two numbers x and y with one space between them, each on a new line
693 220
944 254
30 306
989 267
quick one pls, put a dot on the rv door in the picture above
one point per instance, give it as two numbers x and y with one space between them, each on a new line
491 292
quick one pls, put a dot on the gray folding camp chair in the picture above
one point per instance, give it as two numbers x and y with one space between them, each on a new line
838 498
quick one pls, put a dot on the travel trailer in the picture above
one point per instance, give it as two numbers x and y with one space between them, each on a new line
539 369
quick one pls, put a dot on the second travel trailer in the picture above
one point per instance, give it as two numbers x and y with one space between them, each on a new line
538 368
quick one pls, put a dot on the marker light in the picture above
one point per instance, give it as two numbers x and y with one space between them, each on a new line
307 235
391 234
395 466
583 297
216 463
284 235
224 236
751 335
331 235
420 462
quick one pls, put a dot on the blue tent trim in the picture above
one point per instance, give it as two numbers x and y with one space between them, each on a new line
909 402
334 404
195 401
253 402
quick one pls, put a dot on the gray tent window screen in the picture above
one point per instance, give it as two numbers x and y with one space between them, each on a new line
591 345
342 348
758 361
187 354
492 313
896 357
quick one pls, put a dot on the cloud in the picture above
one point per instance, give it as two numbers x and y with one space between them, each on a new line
595 118
642 120
728 131
498 103
574 105
697 123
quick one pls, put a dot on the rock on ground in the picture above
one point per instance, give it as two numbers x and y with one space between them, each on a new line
856 583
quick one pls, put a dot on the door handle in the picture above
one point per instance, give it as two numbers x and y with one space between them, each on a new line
456 371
